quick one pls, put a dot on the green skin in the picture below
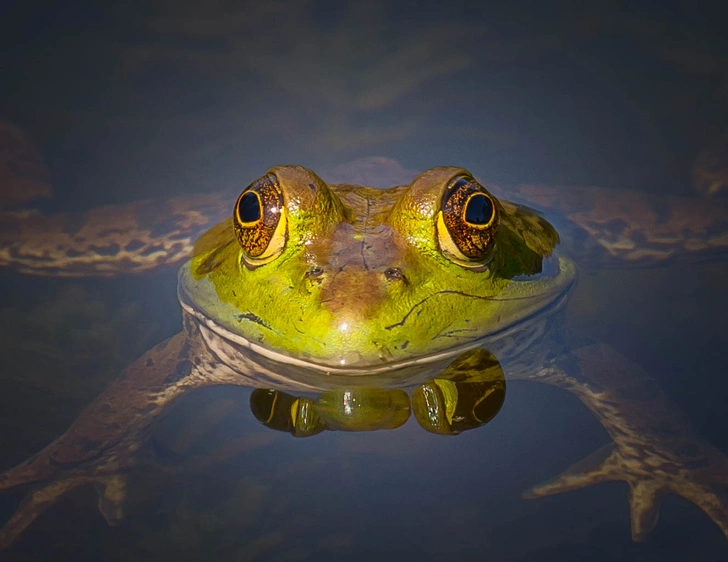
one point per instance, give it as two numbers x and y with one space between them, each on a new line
353 315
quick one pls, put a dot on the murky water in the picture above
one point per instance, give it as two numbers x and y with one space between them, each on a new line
160 100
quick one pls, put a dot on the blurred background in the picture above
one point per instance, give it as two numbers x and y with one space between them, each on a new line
158 97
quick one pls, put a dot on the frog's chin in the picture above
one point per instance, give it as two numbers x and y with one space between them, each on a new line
550 299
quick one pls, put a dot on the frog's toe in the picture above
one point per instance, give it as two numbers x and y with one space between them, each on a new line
36 469
708 498
645 499
34 505
645 496
592 470
650 475
112 493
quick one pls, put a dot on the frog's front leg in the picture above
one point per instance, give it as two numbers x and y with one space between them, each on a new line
654 450
103 441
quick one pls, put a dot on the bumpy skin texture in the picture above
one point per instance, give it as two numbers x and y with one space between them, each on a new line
355 236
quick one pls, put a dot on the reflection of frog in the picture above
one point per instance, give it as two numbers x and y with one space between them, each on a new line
313 287
466 395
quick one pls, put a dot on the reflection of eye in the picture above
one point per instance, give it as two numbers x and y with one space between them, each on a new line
467 222
260 221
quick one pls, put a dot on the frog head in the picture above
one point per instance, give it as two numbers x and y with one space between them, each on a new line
350 279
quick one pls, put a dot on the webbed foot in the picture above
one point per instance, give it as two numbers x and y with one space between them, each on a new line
111 491
696 471
654 450
104 441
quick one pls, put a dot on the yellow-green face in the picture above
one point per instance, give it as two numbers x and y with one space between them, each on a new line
355 277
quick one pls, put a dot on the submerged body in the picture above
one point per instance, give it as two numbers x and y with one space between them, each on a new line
316 287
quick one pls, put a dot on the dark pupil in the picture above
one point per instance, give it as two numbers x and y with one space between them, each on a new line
479 209
249 208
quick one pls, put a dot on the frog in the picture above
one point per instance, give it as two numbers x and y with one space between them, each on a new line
312 287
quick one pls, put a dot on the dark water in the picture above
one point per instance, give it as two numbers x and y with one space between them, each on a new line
166 99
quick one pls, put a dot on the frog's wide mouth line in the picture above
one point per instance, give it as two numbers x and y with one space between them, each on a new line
554 299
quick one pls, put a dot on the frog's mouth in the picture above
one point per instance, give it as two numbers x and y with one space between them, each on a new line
541 295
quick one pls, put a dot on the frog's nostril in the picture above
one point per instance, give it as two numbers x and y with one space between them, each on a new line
394 274
316 271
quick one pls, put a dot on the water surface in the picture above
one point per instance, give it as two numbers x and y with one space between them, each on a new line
162 100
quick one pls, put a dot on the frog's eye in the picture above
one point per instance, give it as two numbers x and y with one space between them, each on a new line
260 221
467 222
